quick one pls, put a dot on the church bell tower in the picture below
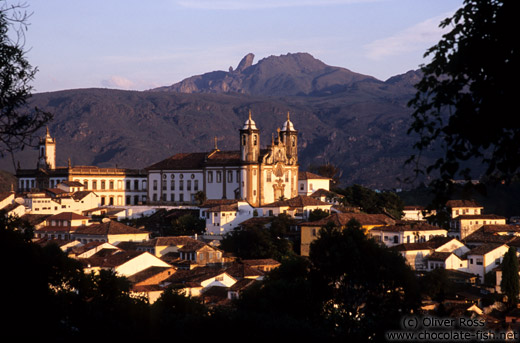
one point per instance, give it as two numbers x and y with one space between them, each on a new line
47 152
249 141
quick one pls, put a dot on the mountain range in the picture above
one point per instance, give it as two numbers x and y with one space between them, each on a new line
354 121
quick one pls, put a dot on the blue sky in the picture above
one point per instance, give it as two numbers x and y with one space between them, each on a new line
139 45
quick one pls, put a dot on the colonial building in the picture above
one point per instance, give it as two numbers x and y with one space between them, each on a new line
114 186
257 176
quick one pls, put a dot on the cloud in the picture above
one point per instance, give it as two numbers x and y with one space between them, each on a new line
261 4
416 38
118 82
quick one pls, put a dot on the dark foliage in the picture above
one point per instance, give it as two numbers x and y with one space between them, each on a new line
465 98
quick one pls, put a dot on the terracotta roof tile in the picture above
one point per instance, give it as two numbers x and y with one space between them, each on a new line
108 228
305 175
462 203
341 219
298 201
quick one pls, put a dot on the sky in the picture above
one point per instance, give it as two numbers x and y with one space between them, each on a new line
139 45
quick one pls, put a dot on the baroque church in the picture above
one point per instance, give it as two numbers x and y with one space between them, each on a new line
258 176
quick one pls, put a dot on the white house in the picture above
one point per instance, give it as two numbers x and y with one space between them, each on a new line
417 255
446 260
195 281
463 207
123 263
55 201
110 231
465 224
222 216
298 207
392 235
484 258
309 183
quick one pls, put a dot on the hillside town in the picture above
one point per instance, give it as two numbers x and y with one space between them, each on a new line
88 212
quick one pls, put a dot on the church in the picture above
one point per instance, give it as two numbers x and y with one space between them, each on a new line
258 176
115 186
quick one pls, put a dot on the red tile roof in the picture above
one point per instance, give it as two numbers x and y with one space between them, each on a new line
305 175
108 228
341 219
462 203
298 201
197 160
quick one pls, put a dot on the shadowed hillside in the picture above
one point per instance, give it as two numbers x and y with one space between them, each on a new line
358 123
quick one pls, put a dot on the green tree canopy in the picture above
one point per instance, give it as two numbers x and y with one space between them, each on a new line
510 283
465 99
371 201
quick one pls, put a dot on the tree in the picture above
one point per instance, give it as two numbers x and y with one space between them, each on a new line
187 224
510 283
200 197
465 98
18 125
373 202
365 288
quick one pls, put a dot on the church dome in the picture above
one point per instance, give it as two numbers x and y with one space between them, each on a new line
250 123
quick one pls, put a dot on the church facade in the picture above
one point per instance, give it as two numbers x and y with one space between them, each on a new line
258 176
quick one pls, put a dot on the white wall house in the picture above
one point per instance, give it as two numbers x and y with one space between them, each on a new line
484 258
44 203
223 218
446 260
309 183
392 235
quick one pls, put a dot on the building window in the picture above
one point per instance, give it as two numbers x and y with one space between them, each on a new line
128 184
268 176
255 140
136 185
172 197
154 185
181 197
210 177
111 184
181 185
230 176
172 185
196 185
219 177
244 139
103 184
85 183
188 185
